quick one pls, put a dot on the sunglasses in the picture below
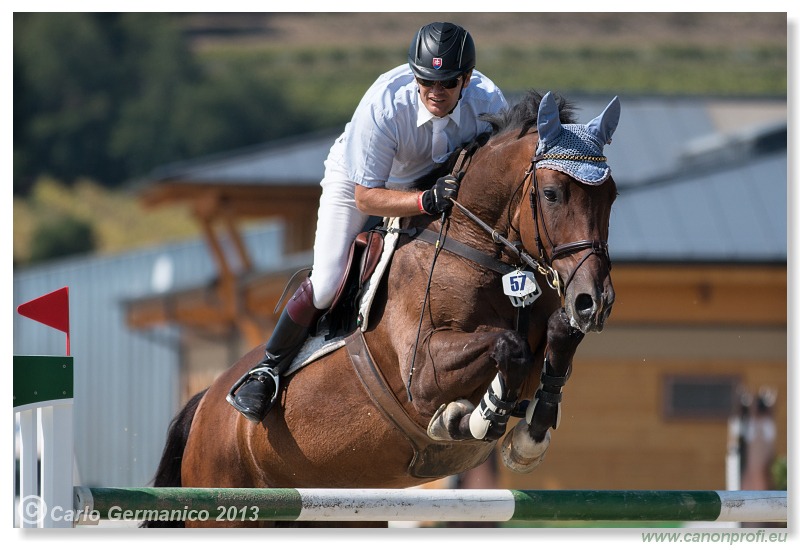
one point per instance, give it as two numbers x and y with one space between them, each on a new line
448 84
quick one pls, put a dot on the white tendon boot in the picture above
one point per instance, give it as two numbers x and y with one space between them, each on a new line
490 410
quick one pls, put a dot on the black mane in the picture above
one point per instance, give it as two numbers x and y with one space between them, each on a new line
523 115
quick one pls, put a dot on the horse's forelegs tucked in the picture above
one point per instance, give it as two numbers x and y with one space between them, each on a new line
462 420
524 448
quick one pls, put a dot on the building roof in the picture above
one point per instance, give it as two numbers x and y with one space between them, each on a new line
700 179
296 160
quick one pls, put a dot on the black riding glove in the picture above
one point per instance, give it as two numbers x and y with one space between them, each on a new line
436 200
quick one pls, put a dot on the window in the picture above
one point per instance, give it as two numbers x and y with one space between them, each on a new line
699 397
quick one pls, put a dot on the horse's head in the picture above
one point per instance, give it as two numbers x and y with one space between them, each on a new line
564 209
571 192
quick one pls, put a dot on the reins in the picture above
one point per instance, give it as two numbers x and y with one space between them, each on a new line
551 275
437 249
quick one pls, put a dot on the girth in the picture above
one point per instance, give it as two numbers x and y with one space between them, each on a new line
432 459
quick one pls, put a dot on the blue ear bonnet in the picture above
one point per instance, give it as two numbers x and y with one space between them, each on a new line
575 149
577 153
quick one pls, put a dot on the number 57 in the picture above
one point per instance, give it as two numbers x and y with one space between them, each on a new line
517 283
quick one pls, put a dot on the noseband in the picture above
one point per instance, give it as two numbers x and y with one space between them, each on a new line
594 247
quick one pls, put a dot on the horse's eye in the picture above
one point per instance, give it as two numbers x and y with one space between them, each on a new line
550 195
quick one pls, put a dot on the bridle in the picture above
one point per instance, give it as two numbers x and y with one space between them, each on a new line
593 246
544 263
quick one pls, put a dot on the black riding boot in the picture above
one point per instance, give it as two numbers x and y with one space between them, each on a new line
255 393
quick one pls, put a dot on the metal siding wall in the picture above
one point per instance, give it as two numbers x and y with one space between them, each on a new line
126 383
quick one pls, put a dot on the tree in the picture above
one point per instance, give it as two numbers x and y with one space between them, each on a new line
64 82
111 96
61 236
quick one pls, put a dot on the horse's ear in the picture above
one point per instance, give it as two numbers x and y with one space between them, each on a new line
548 121
603 126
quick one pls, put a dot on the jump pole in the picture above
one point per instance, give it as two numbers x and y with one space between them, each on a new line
428 505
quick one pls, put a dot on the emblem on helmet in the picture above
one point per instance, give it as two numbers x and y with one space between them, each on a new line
437 63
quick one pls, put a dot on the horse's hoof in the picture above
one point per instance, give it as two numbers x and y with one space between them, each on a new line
524 455
444 423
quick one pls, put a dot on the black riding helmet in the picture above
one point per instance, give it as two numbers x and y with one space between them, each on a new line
440 51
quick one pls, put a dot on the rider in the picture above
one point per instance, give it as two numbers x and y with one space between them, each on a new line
386 147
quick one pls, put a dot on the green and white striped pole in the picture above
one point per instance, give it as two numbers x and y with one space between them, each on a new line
428 505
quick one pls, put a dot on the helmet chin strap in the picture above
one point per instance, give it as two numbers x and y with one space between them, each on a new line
460 95
461 91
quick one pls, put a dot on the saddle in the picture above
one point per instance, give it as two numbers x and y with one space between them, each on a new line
343 316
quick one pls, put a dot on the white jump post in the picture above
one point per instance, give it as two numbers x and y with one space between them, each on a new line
43 400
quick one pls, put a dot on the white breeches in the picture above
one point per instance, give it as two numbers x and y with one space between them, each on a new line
338 223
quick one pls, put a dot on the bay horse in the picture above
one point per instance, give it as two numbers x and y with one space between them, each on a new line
453 346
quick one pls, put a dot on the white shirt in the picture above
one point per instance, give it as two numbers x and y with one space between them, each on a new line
388 140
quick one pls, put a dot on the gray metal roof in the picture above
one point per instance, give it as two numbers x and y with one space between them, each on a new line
694 190
296 160
700 179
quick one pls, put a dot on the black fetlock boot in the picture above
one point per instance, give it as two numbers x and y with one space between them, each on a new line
255 393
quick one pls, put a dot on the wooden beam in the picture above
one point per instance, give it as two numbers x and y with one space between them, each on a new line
688 294
194 309
207 308
236 236
241 196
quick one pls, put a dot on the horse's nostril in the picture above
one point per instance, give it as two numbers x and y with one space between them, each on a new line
584 302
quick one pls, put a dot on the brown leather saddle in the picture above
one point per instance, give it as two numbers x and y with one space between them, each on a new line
343 317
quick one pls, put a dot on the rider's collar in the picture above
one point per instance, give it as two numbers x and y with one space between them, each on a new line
424 115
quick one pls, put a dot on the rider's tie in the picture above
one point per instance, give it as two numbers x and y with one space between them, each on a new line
439 141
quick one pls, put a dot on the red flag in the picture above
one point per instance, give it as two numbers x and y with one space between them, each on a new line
51 309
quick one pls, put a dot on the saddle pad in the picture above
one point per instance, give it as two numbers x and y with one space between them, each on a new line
313 349
318 346
371 287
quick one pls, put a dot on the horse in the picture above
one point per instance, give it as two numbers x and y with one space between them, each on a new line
477 318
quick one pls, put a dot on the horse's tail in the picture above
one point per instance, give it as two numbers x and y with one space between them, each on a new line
168 473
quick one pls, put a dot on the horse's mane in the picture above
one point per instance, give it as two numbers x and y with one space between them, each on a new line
523 115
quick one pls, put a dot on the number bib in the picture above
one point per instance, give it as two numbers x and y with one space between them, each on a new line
521 288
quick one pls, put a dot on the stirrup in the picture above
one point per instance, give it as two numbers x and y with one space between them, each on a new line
253 373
